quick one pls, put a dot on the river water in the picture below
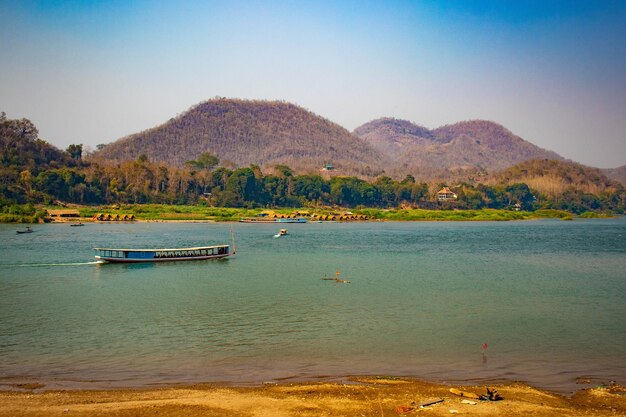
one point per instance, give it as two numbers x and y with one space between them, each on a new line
546 297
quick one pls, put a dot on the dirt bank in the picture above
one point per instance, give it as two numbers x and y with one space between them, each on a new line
361 397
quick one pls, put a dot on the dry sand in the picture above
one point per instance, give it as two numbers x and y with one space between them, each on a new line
361 397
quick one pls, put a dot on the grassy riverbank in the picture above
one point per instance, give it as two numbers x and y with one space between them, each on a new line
198 213
163 212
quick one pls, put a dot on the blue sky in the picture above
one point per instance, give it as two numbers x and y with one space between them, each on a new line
553 72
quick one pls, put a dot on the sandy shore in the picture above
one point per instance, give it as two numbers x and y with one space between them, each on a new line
361 397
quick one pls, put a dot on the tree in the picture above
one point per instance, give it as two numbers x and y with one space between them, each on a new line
310 187
242 187
283 171
75 151
386 191
206 161
409 179
520 193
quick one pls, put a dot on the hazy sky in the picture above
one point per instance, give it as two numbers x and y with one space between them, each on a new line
553 72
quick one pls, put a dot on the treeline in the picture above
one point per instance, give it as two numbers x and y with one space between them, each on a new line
142 181
33 172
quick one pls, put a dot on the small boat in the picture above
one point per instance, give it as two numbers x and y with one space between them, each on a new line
163 255
281 232
77 224
27 230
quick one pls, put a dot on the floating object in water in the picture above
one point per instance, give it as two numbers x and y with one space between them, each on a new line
336 278
281 232
27 230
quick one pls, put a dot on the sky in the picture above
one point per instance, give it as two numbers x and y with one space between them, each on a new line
552 72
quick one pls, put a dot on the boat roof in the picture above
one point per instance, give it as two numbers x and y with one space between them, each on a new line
163 250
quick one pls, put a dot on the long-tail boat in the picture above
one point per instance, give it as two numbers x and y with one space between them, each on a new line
163 255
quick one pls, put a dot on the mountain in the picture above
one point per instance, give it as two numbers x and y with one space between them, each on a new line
616 174
470 145
245 132
393 137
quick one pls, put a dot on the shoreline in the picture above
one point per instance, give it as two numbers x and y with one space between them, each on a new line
195 213
355 396
42 383
88 220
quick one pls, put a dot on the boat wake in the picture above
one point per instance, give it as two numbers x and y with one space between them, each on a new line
63 264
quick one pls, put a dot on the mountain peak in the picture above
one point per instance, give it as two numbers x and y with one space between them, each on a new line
475 129
471 144
245 132
395 126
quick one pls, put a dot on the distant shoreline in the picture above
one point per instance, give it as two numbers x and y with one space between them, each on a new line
172 213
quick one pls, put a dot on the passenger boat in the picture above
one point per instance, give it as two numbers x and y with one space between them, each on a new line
27 230
294 220
77 224
271 220
163 255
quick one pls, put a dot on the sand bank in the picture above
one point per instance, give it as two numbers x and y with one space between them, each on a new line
359 397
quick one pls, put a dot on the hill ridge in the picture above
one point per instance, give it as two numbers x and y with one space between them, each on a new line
242 132
469 144
245 132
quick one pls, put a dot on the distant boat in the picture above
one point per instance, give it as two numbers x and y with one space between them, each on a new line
163 255
281 232
294 220
77 224
272 220
27 230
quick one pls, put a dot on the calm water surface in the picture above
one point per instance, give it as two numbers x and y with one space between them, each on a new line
548 297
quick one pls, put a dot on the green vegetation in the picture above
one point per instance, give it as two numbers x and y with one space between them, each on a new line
21 213
555 214
202 213
172 212
594 215
449 215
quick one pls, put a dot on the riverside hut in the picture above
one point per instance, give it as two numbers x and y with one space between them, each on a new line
446 194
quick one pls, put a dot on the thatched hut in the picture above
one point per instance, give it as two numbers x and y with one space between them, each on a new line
63 213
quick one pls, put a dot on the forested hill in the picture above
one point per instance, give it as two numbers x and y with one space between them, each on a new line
554 178
617 174
248 132
464 145
22 150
